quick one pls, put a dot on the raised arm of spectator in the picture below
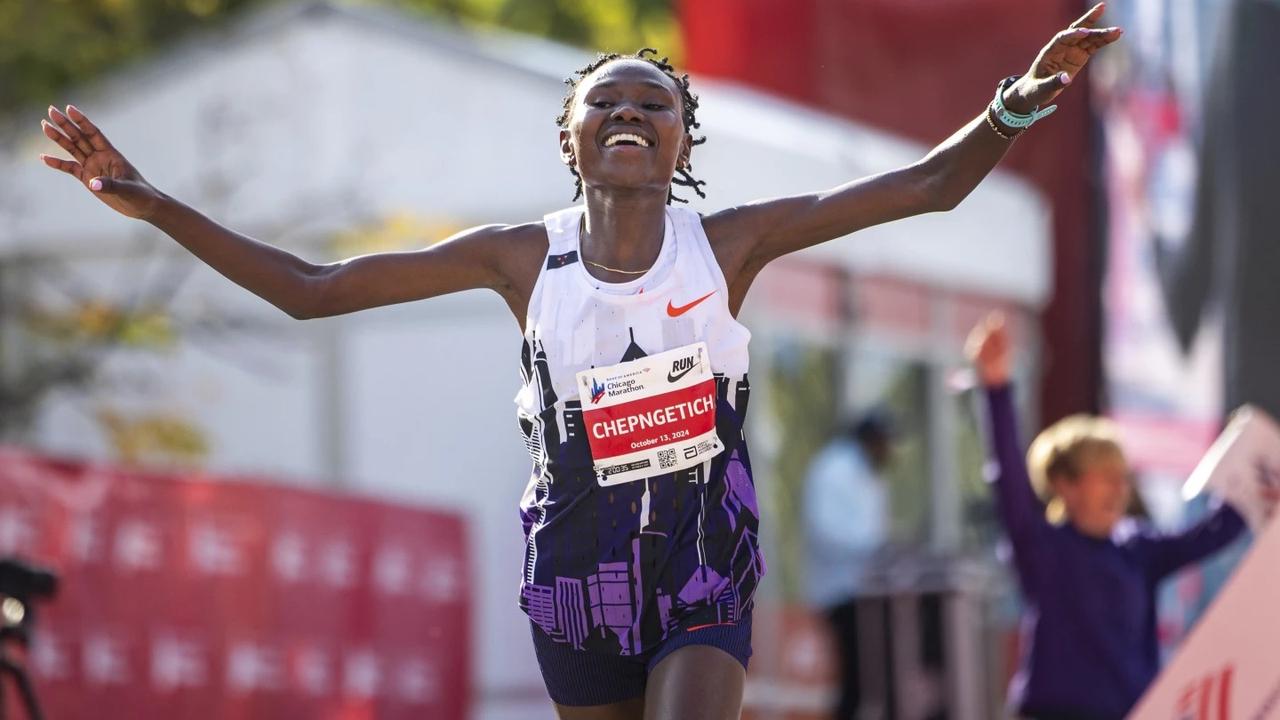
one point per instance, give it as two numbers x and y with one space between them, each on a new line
1166 554
1019 509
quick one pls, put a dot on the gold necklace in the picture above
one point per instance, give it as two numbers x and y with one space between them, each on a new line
624 272
582 228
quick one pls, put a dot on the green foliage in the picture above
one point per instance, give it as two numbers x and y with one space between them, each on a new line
979 523
613 26
47 46
804 410
908 474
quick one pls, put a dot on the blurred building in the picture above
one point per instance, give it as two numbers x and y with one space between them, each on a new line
333 130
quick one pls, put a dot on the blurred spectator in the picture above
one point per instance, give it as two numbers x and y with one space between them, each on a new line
846 520
1088 572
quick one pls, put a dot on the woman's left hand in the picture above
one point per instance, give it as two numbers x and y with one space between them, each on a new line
1059 62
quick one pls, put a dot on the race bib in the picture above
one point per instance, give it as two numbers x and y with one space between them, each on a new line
652 415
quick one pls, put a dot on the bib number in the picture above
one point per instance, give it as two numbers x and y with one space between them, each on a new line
650 416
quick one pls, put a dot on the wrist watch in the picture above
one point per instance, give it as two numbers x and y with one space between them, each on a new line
1018 121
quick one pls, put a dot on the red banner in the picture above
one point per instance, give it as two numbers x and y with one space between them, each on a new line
198 597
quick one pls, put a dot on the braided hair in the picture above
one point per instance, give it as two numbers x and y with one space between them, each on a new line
689 103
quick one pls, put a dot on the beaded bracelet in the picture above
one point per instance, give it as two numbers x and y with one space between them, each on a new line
992 124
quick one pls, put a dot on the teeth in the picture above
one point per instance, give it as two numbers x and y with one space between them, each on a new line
615 139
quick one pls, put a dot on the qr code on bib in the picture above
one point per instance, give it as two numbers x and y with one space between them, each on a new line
666 459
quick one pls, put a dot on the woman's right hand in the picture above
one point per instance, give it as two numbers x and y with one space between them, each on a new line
98 165
988 350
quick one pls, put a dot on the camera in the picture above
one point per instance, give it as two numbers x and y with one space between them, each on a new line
20 583
23 581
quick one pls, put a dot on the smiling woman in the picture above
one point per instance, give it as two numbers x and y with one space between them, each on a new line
642 552
671 94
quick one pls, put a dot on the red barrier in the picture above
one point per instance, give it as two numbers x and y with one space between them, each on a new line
198 597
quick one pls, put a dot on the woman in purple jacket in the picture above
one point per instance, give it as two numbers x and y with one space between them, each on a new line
1089 579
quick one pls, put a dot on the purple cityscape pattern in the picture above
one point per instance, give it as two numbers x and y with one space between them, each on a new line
615 569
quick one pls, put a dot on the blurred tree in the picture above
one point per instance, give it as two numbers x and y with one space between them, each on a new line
805 410
49 45
908 474
615 26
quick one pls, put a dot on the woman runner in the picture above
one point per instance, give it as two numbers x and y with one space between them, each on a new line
640 516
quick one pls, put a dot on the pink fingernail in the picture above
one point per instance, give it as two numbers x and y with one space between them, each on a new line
95 184
1065 78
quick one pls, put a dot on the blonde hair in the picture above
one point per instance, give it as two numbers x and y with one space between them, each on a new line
1064 450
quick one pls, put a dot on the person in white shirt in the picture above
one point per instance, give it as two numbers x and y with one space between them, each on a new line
846 521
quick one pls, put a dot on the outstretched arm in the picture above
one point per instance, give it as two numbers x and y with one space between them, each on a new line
1019 509
1169 553
477 258
765 230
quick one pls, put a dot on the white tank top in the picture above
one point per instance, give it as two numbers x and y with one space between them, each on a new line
580 322
614 567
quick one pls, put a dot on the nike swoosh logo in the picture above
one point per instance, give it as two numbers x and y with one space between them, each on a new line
674 311
672 377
